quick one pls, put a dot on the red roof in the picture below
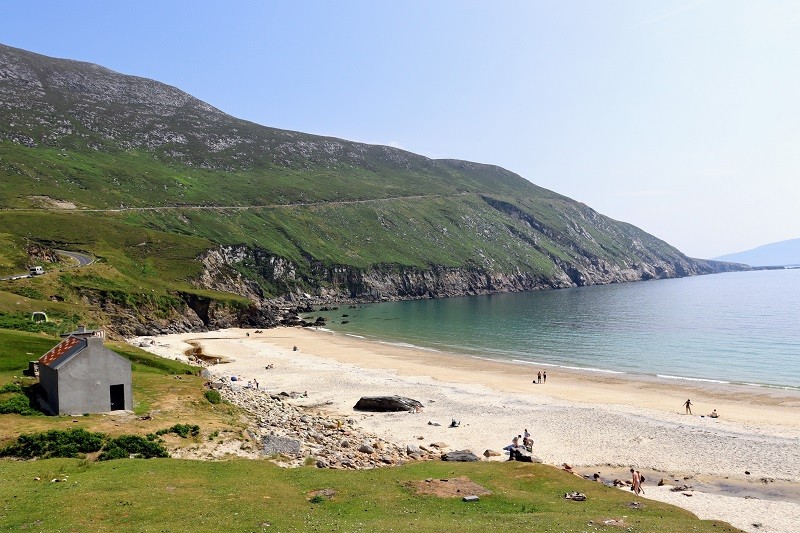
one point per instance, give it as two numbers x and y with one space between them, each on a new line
60 349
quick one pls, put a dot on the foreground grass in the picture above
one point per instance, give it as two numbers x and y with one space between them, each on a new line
240 495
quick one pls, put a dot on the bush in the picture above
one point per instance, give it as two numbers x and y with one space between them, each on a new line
18 404
213 396
126 446
55 443
10 387
182 430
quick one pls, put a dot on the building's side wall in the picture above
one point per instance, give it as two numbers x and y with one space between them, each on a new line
48 381
86 379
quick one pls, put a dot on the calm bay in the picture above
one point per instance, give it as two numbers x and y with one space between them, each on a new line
731 328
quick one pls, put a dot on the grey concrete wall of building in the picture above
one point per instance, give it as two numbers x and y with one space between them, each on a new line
48 381
84 381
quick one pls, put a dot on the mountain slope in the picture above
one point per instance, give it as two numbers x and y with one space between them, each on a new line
94 160
783 253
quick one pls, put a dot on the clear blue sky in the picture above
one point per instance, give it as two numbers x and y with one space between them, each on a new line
681 117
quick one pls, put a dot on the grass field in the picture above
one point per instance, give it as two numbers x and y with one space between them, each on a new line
240 495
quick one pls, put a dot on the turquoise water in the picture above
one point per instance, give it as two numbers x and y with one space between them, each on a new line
737 327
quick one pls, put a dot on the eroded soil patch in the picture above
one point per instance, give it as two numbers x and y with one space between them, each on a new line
457 487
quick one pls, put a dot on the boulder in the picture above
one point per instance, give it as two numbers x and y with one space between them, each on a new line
412 448
387 404
366 448
460 455
521 454
274 444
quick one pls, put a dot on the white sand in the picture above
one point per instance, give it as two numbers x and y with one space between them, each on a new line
576 418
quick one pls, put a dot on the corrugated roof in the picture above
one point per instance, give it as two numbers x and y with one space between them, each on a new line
66 347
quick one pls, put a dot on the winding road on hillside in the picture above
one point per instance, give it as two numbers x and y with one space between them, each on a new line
82 259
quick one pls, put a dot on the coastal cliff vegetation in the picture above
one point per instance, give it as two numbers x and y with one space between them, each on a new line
200 220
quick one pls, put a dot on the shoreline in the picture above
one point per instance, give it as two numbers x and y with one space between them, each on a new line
700 382
580 418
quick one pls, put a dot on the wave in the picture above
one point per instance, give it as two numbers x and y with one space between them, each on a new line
768 386
567 367
685 378
408 345
354 335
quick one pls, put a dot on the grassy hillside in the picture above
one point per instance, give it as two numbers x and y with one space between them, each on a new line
147 179
169 495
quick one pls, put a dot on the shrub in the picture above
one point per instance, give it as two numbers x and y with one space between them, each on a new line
18 404
182 430
132 446
10 387
55 443
213 396
18 400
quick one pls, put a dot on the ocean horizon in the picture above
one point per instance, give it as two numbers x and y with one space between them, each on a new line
738 328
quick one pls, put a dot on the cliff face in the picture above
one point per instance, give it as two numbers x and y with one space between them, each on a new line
221 271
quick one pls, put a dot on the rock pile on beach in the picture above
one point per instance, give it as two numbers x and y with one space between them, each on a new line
294 435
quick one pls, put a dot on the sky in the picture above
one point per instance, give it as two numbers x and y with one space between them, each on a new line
681 117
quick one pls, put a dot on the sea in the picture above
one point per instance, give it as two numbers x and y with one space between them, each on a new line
738 327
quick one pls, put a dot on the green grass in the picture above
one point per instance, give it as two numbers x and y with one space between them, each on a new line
366 209
238 495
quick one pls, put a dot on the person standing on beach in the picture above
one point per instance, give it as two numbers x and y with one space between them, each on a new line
539 377
688 406
636 483
544 376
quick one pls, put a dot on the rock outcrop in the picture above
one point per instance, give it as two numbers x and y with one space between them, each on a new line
385 404
298 436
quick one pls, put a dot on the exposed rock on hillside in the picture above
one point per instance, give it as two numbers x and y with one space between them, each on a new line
283 216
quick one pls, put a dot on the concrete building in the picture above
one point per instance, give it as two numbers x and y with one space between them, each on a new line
80 375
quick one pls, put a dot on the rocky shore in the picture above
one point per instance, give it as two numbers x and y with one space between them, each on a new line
296 436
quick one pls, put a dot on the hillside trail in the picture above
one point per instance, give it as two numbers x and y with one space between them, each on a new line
122 209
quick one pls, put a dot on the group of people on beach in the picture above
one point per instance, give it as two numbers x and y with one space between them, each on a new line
688 406
541 377
523 440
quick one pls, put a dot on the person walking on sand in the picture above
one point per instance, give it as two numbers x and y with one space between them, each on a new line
636 484
688 405
544 376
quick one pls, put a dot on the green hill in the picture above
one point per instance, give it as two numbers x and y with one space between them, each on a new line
201 219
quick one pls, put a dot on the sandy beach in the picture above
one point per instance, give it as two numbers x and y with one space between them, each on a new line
744 467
